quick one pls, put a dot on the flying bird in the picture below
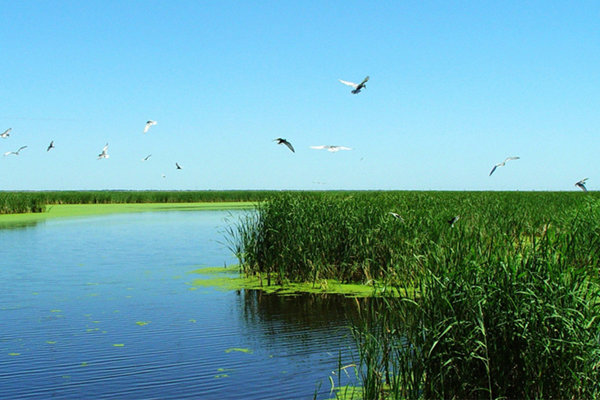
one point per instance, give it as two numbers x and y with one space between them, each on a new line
581 184
50 146
16 153
178 166
330 148
396 215
104 153
6 133
148 125
283 141
453 220
503 163
357 87
147 157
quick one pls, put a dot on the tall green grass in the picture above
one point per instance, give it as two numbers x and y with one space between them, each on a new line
504 304
35 201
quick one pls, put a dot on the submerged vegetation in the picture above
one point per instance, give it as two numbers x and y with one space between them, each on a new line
503 303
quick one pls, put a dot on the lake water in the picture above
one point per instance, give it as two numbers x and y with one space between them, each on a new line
102 307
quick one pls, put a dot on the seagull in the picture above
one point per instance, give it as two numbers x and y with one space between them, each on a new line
453 220
581 184
503 163
283 141
147 157
50 146
178 166
5 134
396 215
330 148
104 153
163 175
357 87
148 125
16 153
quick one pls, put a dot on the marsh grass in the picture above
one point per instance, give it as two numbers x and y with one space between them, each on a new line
504 304
36 201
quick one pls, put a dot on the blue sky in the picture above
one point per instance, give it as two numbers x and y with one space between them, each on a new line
455 88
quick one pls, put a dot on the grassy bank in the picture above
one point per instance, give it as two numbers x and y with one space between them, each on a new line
23 202
502 304
79 210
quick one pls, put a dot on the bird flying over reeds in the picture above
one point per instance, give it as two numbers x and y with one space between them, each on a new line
357 86
581 184
330 148
283 141
453 220
16 153
148 125
396 215
503 163
104 153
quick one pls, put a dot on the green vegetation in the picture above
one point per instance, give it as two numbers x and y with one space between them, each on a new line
504 304
36 201
78 210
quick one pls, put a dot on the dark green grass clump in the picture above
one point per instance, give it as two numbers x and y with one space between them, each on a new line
504 304
12 203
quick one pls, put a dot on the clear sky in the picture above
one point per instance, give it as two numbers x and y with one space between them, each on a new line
455 87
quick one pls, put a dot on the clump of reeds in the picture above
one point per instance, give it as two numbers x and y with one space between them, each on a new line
504 304
11 203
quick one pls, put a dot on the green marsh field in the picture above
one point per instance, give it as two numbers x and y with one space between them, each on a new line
504 303
501 302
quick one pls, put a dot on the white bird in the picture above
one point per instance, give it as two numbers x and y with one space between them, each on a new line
357 86
503 163
163 175
147 157
6 133
104 153
453 220
396 215
581 184
148 125
330 148
50 146
178 166
16 153
283 141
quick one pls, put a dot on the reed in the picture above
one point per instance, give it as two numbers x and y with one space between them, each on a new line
504 304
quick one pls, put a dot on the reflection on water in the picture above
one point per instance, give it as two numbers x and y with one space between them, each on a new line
100 307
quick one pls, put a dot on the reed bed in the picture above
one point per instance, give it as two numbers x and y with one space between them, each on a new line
504 304
35 201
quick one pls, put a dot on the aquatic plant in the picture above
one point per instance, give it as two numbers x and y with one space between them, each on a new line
501 304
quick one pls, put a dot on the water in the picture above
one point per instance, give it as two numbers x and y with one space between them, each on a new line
102 307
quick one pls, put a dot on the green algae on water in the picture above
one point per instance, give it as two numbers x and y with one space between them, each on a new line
230 278
247 351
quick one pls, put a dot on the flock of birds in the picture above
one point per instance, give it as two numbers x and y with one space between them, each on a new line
356 88
103 154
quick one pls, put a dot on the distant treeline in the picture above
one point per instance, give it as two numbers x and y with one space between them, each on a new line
34 201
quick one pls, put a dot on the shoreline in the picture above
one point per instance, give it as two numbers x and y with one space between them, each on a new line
83 210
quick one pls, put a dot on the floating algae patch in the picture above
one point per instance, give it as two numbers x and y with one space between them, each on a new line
14 354
230 278
118 345
347 393
142 323
238 349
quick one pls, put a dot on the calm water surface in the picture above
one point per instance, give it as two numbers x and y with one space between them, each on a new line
102 307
